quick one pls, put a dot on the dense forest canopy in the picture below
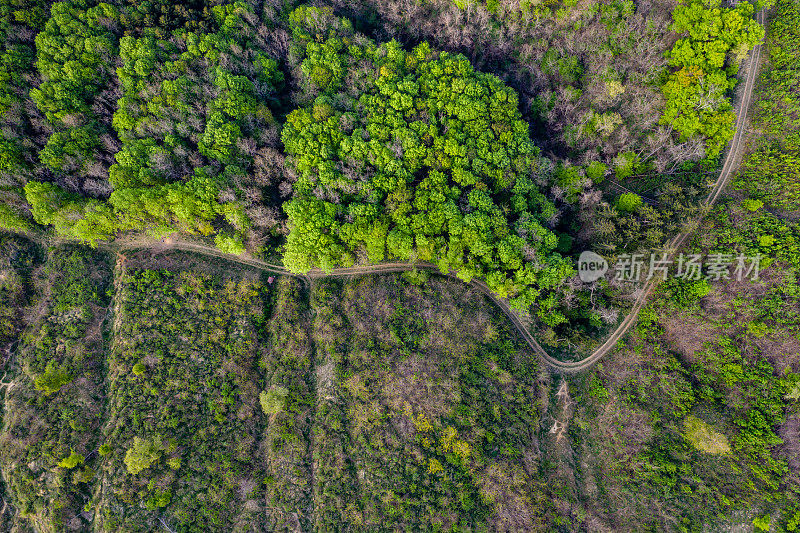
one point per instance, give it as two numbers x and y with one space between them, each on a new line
291 133
414 156
186 104
160 119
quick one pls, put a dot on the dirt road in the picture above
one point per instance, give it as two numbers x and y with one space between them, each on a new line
729 165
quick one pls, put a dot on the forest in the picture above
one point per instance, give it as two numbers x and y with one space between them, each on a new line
308 135
193 197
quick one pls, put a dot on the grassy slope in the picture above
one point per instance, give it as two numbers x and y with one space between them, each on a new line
400 403
63 341
425 409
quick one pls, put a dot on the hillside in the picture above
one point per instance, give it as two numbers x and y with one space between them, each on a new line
286 266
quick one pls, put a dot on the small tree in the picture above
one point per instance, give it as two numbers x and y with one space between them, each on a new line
72 460
142 454
52 379
596 171
629 202
752 204
229 244
272 401
625 164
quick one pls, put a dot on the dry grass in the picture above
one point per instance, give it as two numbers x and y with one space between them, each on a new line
781 348
704 437
418 382
686 335
789 431
177 260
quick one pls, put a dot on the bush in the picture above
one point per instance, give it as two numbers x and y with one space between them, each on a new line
71 461
752 204
273 401
229 244
625 164
52 379
11 220
596 171
142 454
702 436
629 202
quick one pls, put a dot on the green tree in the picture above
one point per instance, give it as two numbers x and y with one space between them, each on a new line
273 400
697 103
432 165
142 454
72 460
629 202
52 379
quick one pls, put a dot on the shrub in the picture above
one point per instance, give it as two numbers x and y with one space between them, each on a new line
704 437
752 204
625 164
229 244
629 202
71 461
142 454
596 171
52 379
272 401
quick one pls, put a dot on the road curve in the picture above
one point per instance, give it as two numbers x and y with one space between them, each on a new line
384 268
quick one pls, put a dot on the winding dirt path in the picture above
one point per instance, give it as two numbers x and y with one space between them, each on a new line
729 164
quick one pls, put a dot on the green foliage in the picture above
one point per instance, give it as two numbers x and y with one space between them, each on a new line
771 173
752 205
629 202
697 105
86 219
12 220
713 31
74 53
625 164
56 349
229 244
567 67
19 19
155 188
430 444
685 292
596 171
702 436
52 379
187 437
440 145
273 400
142 454
143 195
761 523
649 226
71 461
